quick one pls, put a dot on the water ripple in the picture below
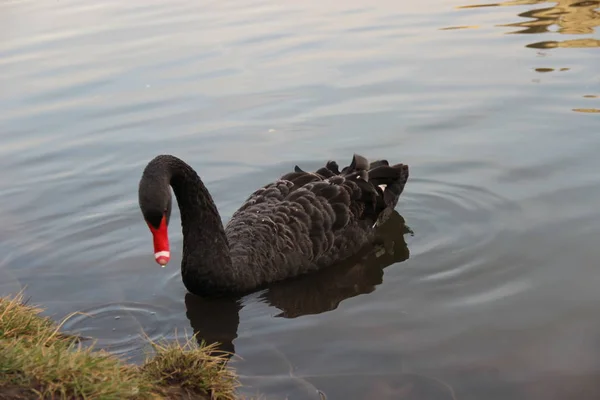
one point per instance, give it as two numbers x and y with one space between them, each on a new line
441 209
121 328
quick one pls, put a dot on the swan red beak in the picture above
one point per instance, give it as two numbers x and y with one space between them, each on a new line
162 253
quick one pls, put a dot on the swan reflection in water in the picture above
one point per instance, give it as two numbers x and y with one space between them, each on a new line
216 320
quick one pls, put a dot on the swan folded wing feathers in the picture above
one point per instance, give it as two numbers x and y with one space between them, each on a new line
315 209
378 186
371 187
332 201
310 213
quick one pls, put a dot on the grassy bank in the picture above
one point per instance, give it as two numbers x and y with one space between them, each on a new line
37 361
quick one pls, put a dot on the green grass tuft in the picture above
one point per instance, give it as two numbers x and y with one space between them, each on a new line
38 362
187 366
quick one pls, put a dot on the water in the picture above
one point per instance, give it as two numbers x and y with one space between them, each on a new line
494 107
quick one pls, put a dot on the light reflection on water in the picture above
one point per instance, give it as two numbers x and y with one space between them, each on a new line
568 17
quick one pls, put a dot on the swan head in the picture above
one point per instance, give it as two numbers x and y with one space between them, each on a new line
155 203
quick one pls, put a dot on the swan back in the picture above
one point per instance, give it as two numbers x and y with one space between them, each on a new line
307 220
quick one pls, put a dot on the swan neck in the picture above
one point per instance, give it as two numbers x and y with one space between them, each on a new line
206 257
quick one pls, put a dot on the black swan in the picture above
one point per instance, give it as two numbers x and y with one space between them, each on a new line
302 222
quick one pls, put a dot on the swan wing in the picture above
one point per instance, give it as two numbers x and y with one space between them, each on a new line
305 219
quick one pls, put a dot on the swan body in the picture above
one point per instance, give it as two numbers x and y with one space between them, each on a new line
301 222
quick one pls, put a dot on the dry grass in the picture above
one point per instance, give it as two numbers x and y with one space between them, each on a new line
188 368
38 362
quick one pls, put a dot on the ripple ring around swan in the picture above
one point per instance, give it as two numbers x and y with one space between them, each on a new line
456 224
120 328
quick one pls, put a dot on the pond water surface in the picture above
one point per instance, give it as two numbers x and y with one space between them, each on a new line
495 107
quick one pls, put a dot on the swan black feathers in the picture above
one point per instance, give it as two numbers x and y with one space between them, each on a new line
301 222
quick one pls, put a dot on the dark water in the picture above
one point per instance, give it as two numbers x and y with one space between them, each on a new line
494 106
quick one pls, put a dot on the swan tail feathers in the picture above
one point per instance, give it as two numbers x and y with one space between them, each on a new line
390 182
